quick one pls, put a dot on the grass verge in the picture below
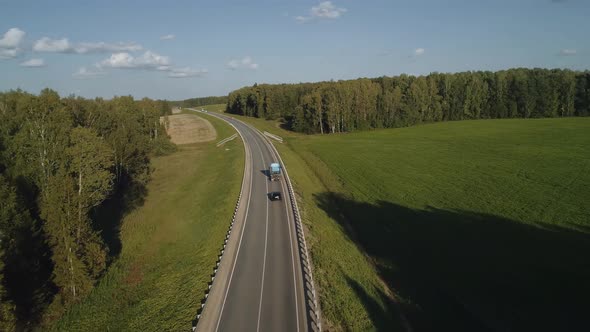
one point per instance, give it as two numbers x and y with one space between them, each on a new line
169 245
352 295
472 225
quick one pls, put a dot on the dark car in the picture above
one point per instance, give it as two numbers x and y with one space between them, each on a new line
274 196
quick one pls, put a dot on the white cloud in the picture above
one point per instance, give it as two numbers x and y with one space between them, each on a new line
149 60
84 73
327 10
33 63
53 45
167 37
568 52
245 62
302 19
102 47
119 60
12 38
324 10
63 45
10 43
233 64
8 53
187 72
419 51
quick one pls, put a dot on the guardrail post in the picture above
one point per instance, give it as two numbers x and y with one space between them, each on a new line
300 239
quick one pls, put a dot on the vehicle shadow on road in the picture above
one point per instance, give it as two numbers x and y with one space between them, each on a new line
266 173
460 270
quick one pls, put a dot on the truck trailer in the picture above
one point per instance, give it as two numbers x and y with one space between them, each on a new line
274 171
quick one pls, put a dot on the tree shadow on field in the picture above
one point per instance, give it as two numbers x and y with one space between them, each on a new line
108 216
286 125
384 319
465 271
29 268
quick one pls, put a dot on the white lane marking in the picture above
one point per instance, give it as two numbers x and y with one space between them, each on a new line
292 260
242 234
265 243
274 153
239 244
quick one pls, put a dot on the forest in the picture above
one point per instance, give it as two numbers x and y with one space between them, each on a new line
388 102
200 101
63 162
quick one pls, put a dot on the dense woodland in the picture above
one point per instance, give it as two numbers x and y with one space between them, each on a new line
61 160
201 101
68 164
387 102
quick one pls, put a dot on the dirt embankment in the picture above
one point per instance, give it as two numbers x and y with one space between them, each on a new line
188 128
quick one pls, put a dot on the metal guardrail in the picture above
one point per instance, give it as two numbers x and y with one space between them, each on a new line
273 136
304 253
225 140
222 250
219 257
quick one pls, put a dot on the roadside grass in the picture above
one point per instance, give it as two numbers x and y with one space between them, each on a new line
169 244
352 296
481 224
473 225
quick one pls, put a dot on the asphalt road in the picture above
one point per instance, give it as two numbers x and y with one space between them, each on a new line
259 286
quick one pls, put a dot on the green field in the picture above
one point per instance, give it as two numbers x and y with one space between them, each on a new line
169 245
471 224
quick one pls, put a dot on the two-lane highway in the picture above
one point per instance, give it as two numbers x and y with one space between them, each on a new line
260 284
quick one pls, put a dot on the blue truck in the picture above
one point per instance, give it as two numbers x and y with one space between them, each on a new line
274 171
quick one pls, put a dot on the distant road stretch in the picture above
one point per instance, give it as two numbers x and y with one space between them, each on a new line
259 284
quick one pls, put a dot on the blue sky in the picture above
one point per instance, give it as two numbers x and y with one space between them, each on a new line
183 49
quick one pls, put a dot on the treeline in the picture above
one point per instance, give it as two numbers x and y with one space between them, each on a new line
60 159
386 102
202 101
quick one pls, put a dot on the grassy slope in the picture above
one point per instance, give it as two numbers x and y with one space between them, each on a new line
170 244
479 222
352 295
472 223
